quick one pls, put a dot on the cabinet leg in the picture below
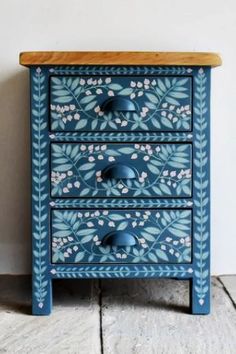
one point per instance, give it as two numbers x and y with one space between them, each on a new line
199 296
41 296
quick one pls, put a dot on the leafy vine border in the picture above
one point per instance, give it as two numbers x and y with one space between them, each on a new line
201 185
122 137
112 203
120 70
39 187
145 271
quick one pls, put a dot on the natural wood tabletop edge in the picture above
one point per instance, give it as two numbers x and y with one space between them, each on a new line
120 58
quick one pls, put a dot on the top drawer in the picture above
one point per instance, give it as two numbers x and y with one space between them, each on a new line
121 103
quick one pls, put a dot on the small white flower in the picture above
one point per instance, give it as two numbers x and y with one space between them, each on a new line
124 123
132 95
66 255
64 120
146 158
110 93
97 213
146 81
163 247
118 120
134 223
77 184
70 173
141 179
87 214
168 239
100 157
136 146
134 156
108 80
177 254
88 92
125 190
83 147
103 147
82 82
144 174
98 91
128 216
105 212
140 93
173 173
99 179
171 251
153 82
69 185
158 149
111 158
98 173
144 245
99 81
138 214
118 255
52 204
91 158
111 224
139 84
158 214
79 215
90 224
124 255
76 116
163 113
97 109
65 190
90 81
120 186
141 223
75 248
101 222
165 173
169 183
133 84
95 238
70 238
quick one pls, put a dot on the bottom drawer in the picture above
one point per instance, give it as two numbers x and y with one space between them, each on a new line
121 236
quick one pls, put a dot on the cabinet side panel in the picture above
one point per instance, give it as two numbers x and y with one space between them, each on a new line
41 282
201 193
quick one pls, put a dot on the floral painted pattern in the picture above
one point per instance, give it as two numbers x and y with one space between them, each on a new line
161 236
77 170
162 103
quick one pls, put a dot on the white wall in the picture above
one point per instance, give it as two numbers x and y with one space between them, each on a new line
154 25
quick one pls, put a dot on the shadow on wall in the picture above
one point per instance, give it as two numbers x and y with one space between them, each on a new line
15 187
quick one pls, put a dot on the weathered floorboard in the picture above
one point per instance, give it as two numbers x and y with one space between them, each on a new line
152 316
229 282
73 326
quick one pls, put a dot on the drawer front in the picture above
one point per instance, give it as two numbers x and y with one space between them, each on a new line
121 170
121 236
129 103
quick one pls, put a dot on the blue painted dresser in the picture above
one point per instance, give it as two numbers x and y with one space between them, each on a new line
120 168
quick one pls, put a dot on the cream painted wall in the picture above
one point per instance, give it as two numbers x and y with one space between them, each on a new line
154 25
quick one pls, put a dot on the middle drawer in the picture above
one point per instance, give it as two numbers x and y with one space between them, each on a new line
121 170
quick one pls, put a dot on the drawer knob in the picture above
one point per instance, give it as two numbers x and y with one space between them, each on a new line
118 103
119 171
119 238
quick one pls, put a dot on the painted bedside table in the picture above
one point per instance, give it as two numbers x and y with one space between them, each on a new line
120 168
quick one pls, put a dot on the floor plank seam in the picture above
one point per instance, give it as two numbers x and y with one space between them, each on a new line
100 314
227 292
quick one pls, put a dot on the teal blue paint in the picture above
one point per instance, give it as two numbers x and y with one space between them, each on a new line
178 149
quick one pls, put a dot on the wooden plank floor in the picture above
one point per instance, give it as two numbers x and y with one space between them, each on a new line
117 317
